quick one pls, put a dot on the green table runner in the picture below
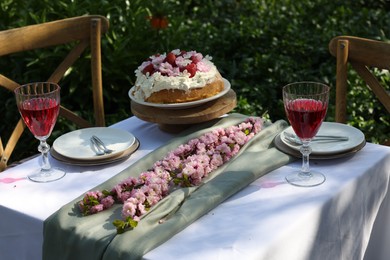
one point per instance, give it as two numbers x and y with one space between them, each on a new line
69 235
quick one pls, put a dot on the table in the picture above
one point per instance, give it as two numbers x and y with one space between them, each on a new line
345 218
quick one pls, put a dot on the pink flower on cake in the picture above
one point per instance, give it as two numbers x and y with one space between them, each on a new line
175 62
166 68
181 62
196 58
157 60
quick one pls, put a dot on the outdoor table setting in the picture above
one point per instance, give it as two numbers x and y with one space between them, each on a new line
268 218
253 199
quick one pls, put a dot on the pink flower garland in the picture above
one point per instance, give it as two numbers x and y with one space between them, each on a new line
185 166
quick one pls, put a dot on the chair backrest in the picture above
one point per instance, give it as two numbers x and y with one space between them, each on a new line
84 31
363 55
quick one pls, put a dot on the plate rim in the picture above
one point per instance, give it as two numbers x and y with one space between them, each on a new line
296 148
227 87
132 140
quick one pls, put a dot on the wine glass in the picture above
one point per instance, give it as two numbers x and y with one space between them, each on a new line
305 104
39 105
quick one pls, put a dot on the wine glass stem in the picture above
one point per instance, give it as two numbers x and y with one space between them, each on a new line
44 149
305 150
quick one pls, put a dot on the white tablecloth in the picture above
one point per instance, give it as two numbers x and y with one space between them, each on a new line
344 218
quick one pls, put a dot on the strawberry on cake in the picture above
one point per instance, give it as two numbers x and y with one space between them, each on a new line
177 77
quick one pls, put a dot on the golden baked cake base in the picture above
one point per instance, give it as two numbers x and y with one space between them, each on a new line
169 96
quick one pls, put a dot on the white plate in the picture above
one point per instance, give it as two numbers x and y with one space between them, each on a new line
226 84
122 156
76 144
356 138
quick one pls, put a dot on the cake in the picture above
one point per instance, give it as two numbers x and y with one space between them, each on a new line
177 77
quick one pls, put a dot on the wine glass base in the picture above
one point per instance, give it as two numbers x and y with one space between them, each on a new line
303 180
47 175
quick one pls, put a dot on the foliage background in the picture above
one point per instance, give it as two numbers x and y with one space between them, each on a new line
258 45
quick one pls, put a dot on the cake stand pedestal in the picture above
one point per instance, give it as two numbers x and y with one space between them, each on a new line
176 120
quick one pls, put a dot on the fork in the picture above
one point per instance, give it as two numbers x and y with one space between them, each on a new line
101 144
96 148
292 138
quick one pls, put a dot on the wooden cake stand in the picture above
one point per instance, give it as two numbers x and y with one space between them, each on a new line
175 120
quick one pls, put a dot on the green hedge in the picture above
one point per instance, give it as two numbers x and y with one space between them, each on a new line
258 45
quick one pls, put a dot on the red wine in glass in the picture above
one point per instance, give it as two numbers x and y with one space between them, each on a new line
305 104
306 116
39 104
40 115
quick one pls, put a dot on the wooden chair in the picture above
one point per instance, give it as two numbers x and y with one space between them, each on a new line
84 31
362 54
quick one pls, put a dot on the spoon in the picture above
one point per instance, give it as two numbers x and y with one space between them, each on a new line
292 138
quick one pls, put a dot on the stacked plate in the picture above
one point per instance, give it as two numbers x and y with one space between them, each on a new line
75 147
325 149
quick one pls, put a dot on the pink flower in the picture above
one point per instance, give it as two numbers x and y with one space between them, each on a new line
182 62
129 208
223 148
91 195
188 170
96 209
107 202
171 162
141 209
157 60
166 68
216 161
196 57
124 196
209 138
187 165
117 191
240 138
139 195
189 54
202 66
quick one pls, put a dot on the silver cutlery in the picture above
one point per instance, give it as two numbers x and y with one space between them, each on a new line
101 144
96 148
292 138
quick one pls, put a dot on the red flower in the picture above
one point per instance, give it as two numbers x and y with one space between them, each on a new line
158 22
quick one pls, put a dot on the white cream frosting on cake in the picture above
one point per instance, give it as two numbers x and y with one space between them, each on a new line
166 75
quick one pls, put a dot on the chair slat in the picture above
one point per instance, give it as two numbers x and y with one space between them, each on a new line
70 59
11 143
48 34
373 84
